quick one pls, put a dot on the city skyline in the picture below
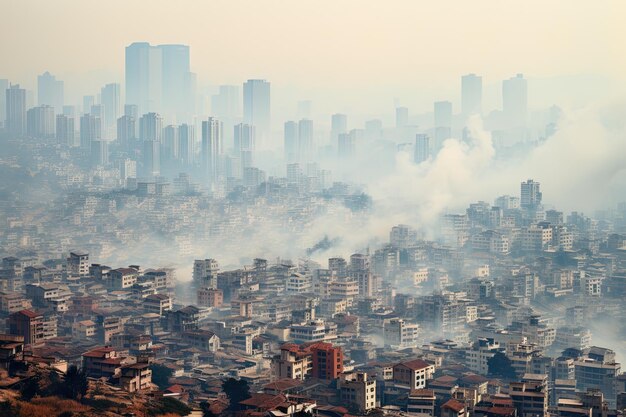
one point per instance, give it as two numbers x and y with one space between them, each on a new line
312 208
542 53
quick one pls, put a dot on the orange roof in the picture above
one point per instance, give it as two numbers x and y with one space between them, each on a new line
28 313
416 364
453 405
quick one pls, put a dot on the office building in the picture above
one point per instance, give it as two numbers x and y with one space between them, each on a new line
515 101
90 130
402 117
151 127
144 77
422 148
471 94
245 144
186 144
211 150
257 108
40 122
65 133
178 83
530 194
291 141
126 130
171 141
110 100
151 158
99 152
338 126
88 102
50 91
4 84
346 147
305 140
15 123
226 104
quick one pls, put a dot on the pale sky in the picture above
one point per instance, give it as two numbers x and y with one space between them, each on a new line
313 44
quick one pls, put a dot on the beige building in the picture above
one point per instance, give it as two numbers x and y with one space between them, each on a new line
358 390
413 374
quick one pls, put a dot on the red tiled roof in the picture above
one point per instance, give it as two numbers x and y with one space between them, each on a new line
176 388
416 364
28 313
453 405
264 401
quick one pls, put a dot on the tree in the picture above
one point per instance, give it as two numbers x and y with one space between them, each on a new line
7 409
206 409
76 383
30 388
236 391
161 375
500 366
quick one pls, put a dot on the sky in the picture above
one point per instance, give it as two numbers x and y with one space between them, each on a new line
360 50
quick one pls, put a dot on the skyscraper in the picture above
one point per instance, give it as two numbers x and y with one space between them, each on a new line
291 141
226 103
131 110
150 127
151 158
257 108
65 134
305 139
4 84
515 101
98 111
245 144
402 116
187 144
99 152
177 83
443 123
50 91
158 79
211 148
170 143
126 130
346 146
530 194
144 78
471 94
110 99
40 122
338 125
88 101
90 130
15 110
422 148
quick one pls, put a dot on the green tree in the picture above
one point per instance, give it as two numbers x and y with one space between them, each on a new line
76 383
161 375
500 366
236 391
